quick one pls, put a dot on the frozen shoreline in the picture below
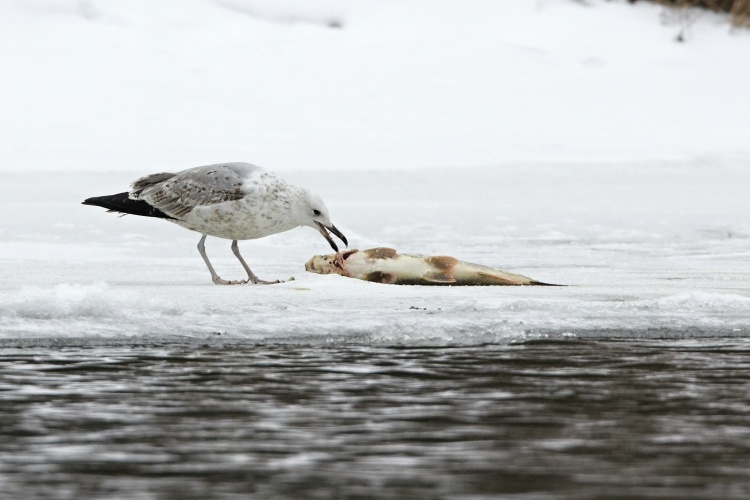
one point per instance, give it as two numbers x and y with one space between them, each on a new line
643 261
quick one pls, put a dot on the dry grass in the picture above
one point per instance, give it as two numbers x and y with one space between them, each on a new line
741 13
739 10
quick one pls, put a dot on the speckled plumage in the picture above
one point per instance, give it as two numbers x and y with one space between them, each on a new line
236 201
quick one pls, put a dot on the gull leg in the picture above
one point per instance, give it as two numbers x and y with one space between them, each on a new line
214 277
251 277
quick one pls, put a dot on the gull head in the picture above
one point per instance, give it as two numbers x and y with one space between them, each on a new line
314 213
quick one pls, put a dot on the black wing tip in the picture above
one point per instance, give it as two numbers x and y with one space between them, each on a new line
121 202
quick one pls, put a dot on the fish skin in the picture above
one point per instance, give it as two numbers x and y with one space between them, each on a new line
385 265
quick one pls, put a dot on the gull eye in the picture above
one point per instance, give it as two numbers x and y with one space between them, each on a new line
316 211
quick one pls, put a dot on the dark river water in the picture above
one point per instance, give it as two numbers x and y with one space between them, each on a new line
579 419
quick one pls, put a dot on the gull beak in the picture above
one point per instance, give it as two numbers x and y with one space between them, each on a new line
324 231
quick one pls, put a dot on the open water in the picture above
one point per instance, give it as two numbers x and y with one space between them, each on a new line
543 419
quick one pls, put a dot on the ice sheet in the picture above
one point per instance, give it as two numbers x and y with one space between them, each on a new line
648 250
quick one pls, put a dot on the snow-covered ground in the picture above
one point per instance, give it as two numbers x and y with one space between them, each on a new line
574 143
138 85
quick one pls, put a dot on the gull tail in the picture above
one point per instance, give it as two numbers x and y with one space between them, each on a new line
122 203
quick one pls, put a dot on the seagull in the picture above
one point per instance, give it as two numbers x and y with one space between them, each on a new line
235 201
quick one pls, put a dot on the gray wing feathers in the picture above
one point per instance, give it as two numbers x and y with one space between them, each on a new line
178 194
149 180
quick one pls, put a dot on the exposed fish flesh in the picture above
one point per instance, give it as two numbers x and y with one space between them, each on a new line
385 265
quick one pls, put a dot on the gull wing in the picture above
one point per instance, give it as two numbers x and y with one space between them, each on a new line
177 194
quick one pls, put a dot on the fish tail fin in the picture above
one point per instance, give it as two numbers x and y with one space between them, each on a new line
540 283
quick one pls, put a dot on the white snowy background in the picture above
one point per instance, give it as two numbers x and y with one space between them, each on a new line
574 142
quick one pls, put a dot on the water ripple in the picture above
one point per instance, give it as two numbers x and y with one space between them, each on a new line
540 419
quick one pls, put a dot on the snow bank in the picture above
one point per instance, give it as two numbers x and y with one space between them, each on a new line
294 314
141 86
77 301
327 13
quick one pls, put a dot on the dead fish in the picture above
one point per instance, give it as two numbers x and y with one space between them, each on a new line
385 265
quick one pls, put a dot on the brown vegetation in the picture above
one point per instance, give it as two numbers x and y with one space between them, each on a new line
739 10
